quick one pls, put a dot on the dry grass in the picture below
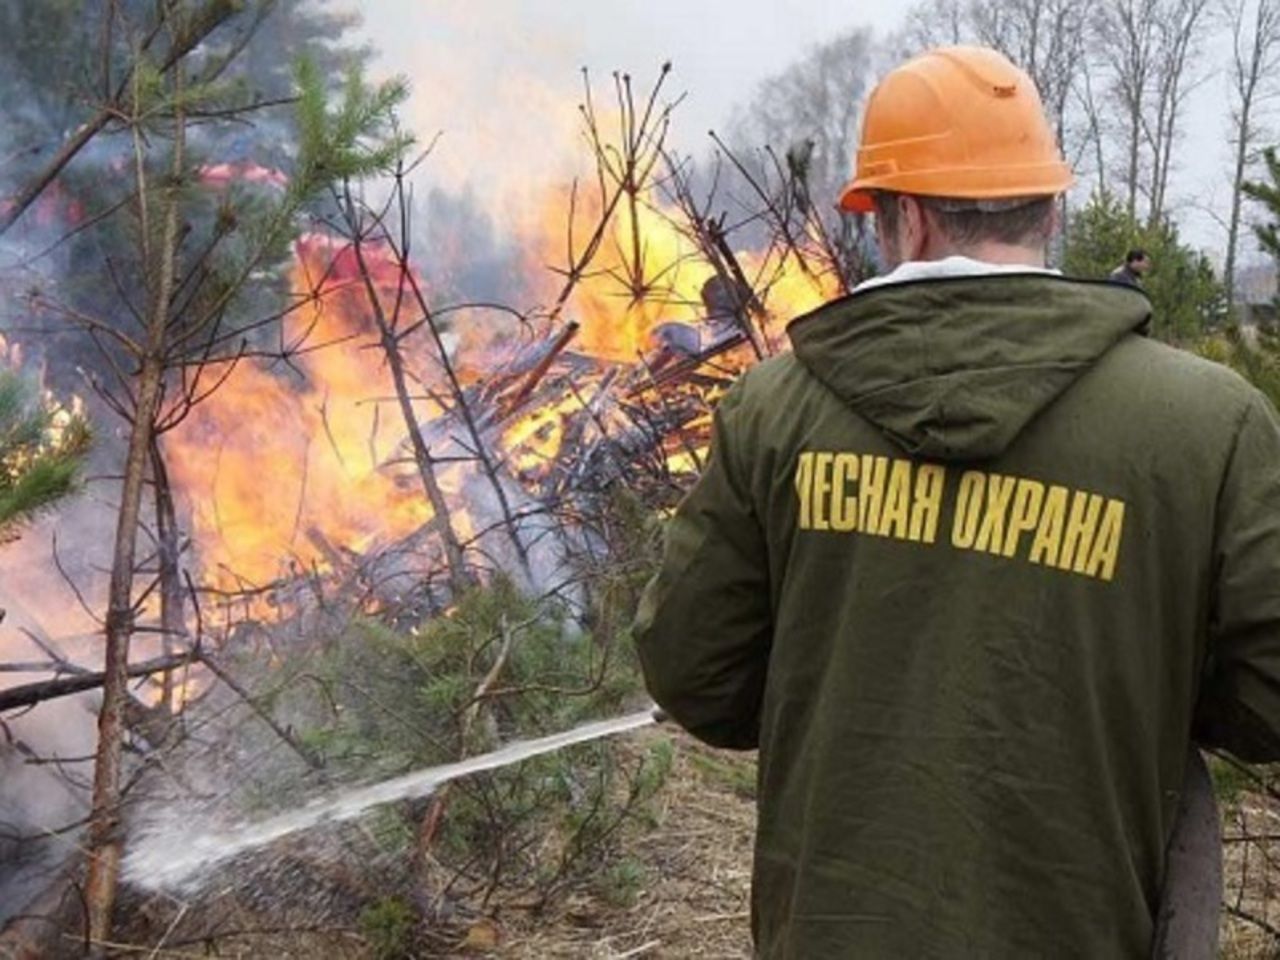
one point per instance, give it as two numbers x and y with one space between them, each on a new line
693 875
1252 875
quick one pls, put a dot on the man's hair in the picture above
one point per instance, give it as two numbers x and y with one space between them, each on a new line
1134 255
967 221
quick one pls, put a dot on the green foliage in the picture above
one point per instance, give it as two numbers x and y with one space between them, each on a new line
549 679
355 139
249 231
500 666
388 925
621 884
1268 194
41 450
1258 361
1186 295
1231 782
241 102
735 773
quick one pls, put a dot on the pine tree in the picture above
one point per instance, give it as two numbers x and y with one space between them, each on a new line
1257 357
1268 195
61 61
41 450
1187 297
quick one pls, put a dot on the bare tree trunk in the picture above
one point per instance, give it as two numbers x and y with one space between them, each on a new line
105 840
1237 203
1251 68
1095 130
168 551
1124 35
1180 32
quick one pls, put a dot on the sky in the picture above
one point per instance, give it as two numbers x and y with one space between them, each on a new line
499 80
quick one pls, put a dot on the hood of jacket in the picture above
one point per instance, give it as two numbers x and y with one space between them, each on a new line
954 368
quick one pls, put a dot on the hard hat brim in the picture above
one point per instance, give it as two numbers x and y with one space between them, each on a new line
1038 180
856 200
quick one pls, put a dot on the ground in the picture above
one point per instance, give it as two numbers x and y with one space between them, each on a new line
681 889
692 876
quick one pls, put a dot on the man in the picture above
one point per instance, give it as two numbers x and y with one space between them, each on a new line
1135 267
969 566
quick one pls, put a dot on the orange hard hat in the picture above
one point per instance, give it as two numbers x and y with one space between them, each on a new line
958 122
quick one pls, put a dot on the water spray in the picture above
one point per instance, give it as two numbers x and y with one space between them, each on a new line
174 859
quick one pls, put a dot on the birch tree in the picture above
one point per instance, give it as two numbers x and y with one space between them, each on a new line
1181 27
1255 64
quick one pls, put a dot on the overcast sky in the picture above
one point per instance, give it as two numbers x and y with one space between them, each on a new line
500 80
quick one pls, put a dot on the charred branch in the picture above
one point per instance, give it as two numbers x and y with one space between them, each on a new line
30 694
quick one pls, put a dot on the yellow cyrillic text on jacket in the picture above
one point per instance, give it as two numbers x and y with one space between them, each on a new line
1051 525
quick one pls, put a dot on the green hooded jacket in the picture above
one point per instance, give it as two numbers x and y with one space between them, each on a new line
970 567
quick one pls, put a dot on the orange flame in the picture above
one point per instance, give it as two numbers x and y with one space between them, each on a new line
281 470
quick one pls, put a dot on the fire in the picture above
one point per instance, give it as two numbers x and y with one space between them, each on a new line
283 469
280 469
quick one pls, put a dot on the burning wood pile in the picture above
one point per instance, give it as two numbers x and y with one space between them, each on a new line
505 424
571 421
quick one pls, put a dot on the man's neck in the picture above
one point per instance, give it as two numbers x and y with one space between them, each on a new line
1002 254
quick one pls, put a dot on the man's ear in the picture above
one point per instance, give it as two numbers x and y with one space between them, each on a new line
1053 222
914 228
887 243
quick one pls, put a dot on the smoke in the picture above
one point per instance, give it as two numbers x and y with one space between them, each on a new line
45 752
45 766
43 794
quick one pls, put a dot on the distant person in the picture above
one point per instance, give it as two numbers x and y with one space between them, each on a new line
1135 267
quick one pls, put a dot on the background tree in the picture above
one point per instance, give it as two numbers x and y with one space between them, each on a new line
808 115
936 23
1047 38
1268 195
1187 297
1135 68
1180 30
1255 63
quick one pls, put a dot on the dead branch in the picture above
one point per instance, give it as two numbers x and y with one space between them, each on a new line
460 578
439 803
30 694
206 20
285 735
407 279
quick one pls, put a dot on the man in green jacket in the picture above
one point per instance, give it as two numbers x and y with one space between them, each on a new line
972 567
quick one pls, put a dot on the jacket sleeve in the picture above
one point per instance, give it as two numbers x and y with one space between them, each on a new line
704 626
1239 707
